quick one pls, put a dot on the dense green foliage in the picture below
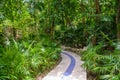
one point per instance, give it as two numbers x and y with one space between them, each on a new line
25 49
81 22
30 28
105 63
24 60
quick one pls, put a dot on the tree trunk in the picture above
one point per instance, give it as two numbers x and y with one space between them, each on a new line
118 20
97 7
94 40
82 11
14 33
52 28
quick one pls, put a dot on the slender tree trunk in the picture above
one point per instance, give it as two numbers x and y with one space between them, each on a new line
118 20
97 7
82 11
36 19
14 33
52 28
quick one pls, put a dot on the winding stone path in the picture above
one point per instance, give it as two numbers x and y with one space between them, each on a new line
68 69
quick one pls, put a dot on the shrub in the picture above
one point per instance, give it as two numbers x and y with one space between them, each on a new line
104 65
25 60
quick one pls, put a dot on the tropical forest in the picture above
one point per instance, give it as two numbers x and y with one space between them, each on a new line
34 32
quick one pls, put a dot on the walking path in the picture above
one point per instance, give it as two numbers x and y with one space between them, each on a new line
68 69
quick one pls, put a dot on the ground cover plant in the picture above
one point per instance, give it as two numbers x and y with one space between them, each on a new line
25 60
101 63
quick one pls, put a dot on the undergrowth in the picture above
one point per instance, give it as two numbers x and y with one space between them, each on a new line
102 64
25 60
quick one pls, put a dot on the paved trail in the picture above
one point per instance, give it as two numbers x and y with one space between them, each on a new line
68 69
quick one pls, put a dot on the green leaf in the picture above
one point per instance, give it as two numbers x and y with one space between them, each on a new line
104 77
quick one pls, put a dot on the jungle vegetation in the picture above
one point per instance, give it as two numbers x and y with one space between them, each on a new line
31 32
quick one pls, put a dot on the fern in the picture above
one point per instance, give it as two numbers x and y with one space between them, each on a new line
105 66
